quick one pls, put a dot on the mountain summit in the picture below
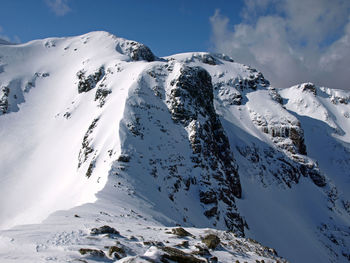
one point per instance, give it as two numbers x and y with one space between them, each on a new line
110 153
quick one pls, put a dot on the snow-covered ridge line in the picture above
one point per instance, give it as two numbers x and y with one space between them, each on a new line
101 126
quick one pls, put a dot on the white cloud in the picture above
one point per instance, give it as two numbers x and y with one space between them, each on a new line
290 41
255 8
59 7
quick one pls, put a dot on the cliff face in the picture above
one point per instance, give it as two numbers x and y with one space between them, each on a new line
194 139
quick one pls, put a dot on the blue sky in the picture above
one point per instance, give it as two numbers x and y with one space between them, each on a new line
290 41
168 27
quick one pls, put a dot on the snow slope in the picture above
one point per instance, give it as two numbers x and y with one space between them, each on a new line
42 85
96 130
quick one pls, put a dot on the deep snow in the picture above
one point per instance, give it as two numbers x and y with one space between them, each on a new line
60 154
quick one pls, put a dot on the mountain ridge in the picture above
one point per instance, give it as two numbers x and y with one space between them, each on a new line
193 139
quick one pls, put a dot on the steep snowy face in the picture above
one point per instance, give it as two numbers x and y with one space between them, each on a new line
324 114
243 97
54 129
175 144
193 139
67 110
275 150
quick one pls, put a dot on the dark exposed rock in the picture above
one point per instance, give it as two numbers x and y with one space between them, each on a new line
90 169
260 79
142 52
190 101
177 255
336 237
308 87
297 136
153 243
343 100
275 95
87 83
208 197
13 93
346 205
228 94
191 95
92 252
232 91
314 174
213 260
179 231
208 59
287 169
223 57
136 51
101 95
202 251
29 86
124 158
4 100
235 221
211 212
346 255
280 132
251 83
86 148
116 252
67 115
104 230
236 99
340 99
211 240
135 127
184 244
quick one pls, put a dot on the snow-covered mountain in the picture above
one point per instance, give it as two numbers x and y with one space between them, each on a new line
96 130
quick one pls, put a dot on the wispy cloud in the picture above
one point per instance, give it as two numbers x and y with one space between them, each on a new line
290 41
59 7
4 38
